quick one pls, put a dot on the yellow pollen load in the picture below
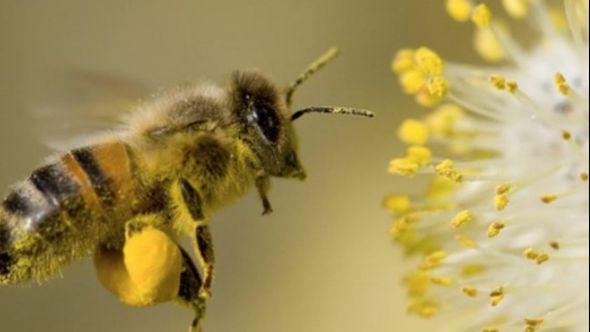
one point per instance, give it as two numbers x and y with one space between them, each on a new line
441 281
420 154
466 241
496 296
398 204
548 198
459 10
413 131
461 218
469 291
516 8
534 255
446 169
495 228
561 84
488 46
482 16
403 166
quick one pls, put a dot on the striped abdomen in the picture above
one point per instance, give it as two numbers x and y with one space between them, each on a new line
63 210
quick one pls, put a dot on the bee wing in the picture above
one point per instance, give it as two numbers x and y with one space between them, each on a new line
81 104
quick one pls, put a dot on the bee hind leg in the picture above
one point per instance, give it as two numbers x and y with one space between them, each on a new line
191 284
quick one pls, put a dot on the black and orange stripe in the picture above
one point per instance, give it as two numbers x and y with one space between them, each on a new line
84 183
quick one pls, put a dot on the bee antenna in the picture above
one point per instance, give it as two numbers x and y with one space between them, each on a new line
328 56
332 110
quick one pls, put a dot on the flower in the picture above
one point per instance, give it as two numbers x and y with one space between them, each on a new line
502 228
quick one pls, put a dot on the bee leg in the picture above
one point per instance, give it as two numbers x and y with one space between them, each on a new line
205 257
263 185
191 284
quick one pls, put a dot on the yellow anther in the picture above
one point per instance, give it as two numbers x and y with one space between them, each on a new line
466 241
423 308
503 188
501 201
442 120
420 154
417 283
442 281
426 99
532 324
472 270
403 166
469 291
497 295
461 218
554 245
549 198
412 81
446 169
534 255
488 46
516 8
584 176
428 61
437 86
413 131
397 204
542 258
490 329
511 86
561 84
459 10
498 81
433 260
440 188
482 16
403 61
495 228
566 135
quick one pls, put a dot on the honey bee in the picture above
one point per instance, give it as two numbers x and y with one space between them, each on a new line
178 158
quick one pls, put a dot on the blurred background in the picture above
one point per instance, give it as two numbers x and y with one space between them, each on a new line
323 260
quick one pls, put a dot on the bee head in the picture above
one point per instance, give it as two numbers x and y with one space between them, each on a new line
266 122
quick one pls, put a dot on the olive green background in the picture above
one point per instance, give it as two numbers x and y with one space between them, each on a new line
322 261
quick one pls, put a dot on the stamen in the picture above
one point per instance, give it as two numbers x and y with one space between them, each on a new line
461 218
469 291
497 295
495 228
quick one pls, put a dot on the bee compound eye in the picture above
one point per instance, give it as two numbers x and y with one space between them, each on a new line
267 120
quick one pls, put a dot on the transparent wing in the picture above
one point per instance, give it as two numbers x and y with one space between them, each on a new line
79 104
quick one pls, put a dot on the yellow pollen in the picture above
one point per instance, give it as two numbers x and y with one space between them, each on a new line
423 308
511 86
532 324
428 61
433 260
442 281
404 167
490 329
495 228
566 135
403 61
561 84
516 8
497 295
472 270
584 176
498 81
501 201
481 16
461 218
465 241
555 245
437 86
442 120
548 198
459 10
397 204
419 154
488 46
504 188
469 291
446 169
413 131
412 81
426 99
534 255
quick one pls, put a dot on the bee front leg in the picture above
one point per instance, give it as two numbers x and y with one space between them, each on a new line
203 241
263 185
